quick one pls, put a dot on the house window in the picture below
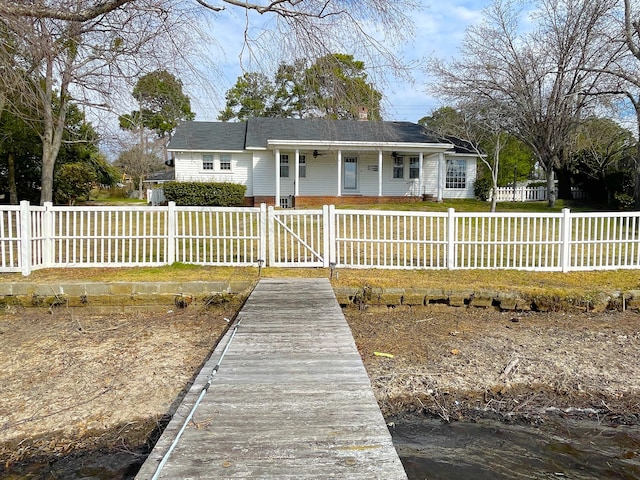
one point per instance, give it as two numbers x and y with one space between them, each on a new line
456 174
225 162
302 166
284 166
398 167
207 162
414 167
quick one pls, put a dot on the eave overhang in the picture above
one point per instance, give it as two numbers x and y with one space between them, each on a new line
359 146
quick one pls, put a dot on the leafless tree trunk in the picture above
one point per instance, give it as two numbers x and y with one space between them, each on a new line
538 77
494 168
11 179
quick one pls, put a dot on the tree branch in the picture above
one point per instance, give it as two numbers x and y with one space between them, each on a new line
19 9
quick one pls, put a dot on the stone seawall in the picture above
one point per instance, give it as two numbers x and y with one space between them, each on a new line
125 295
160 295
508 300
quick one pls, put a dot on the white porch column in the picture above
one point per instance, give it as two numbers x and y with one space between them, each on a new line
379 173
296 178
441 176
277 204
420 174
339 173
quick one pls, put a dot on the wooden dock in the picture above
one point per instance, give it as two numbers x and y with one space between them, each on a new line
291 399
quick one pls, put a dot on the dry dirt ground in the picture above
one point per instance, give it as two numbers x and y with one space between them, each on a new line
70 381
464 362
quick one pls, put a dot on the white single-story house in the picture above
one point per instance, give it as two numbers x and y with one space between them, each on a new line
318 161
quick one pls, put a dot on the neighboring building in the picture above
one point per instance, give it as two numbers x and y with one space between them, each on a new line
153 184
318 161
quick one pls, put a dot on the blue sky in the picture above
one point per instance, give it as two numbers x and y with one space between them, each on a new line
439 29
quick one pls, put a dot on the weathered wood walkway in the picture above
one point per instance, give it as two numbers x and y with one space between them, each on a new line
291 399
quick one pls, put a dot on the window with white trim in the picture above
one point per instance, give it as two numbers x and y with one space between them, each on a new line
225 162
302 166
284 166
456 174
398 167
414 167
207 162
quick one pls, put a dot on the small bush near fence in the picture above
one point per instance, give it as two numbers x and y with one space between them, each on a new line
205 194
482 188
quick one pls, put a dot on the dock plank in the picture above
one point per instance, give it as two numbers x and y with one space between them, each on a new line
291 399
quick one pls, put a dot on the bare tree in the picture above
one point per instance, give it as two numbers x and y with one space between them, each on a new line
537 78
483 125
141 155
66 61
475 128
77 50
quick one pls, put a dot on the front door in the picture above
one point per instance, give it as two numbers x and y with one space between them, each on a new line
350 177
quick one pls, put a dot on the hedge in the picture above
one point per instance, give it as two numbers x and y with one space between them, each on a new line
214 194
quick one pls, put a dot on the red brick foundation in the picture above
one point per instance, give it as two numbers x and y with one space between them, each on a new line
318 201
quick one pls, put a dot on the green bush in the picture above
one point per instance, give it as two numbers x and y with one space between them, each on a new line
73 180
624 201
482 188
205 194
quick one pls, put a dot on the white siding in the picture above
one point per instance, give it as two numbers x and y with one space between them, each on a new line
430 175
264 173
322 175
188 168
367 174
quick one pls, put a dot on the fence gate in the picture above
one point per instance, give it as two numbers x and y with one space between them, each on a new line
298 238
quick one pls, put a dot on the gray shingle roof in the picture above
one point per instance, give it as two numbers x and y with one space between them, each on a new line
257 131
163 176
209 136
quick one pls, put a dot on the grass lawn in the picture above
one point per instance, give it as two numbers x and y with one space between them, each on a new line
572 284
470 205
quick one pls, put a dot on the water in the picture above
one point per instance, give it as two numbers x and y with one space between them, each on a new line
558 448
432 449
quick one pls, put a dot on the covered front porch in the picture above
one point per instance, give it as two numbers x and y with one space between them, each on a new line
306 172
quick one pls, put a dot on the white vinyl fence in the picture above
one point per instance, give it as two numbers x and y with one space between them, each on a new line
530 194
36 237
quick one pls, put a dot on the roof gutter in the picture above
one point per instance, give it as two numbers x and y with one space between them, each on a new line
373 146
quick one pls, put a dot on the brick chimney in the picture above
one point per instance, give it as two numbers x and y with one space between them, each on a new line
363 114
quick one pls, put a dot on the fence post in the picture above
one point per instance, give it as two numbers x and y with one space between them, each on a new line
47 235
25 238
451 239
565 259
171 233
329 228
271 219
262 248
